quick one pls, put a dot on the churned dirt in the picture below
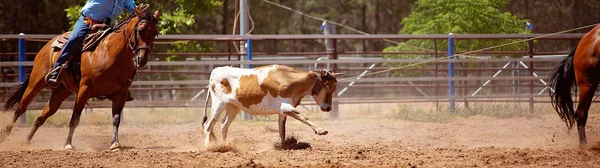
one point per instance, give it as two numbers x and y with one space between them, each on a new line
476 141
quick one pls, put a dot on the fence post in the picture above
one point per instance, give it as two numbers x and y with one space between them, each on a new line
451 99
247 116
331 46
437 84
530 46
3 78
22 73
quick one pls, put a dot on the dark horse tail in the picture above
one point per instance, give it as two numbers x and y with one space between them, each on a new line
15 98
562 81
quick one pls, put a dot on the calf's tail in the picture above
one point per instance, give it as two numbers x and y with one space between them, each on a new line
204 114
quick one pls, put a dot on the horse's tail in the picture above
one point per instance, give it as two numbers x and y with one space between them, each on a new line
204 115
562 81
15 99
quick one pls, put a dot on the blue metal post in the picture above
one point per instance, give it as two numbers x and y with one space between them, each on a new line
451 99
22 58
249 51
249 56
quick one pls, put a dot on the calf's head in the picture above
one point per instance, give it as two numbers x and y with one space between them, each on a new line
324 88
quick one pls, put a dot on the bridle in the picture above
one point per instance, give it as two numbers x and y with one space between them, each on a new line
135 47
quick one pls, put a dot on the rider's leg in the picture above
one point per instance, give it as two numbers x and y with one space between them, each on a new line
80 31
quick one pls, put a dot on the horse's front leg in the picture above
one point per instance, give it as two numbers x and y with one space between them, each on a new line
118 103
82 97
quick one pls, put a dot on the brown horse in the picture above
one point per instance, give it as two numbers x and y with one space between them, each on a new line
105 72
581 68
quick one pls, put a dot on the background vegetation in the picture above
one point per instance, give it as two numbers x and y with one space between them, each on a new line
217 16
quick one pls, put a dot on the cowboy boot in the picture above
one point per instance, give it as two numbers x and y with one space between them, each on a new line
52 77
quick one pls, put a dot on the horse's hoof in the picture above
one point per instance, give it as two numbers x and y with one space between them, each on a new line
3 136
321 131
27 142
583 146
69 147
115 147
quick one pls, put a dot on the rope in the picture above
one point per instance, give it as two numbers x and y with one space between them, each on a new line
470 52
235 25
416 47
342 25
125 21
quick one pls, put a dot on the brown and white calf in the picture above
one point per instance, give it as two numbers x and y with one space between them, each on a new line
273 89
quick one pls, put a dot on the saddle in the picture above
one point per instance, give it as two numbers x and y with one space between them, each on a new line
72 66
89 43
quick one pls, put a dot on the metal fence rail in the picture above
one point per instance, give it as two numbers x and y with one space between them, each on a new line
173 83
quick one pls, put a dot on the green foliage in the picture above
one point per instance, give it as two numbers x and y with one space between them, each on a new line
184 47
175 15
73 13
458 17
173 22
461 17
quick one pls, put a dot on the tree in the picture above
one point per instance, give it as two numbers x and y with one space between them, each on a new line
371 16
176 15
458 17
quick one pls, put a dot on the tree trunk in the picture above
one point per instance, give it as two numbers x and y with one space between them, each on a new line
364 23
575 21
225 15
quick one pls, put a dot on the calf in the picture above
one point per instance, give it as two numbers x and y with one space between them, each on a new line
273 89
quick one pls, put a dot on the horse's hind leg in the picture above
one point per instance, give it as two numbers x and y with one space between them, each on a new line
34 86
56 99
586 93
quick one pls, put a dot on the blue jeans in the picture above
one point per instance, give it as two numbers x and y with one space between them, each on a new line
78 34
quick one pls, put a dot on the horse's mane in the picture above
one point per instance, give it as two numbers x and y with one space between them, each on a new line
147 15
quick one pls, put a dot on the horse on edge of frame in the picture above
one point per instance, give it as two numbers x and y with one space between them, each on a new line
105 72
581 67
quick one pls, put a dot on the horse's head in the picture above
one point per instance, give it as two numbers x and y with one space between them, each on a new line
324 88
144 29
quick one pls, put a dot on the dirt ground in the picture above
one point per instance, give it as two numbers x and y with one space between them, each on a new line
476 141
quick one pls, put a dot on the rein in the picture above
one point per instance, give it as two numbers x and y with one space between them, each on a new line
134 46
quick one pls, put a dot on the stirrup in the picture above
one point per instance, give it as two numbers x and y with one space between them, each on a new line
55 84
